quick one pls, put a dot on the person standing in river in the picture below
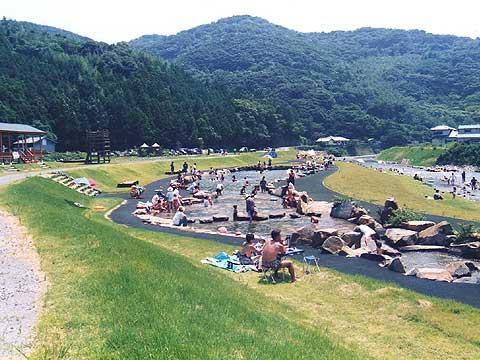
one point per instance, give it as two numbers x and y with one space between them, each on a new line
263 184
291 177
185 167
464 177
172 167
250 207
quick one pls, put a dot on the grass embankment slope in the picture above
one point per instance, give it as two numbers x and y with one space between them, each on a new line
421 155
108 176
122 293
113 296
373 186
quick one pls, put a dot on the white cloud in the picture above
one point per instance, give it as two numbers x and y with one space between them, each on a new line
113 21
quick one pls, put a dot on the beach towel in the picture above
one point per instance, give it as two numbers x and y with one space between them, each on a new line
228 262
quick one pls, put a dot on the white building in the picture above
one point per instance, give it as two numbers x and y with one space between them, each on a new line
444 134
333 140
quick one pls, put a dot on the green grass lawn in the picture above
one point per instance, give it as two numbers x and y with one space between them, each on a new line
373 186
420 155
121 293
114 296
108 176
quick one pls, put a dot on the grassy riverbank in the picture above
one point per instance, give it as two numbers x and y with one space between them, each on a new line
421 155
121 293
114 296
373 186
108 176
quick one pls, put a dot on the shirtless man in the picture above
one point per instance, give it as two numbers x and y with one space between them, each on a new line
272 252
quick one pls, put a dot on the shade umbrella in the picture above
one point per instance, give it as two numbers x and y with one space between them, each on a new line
155 146
268 156
144 146
92 183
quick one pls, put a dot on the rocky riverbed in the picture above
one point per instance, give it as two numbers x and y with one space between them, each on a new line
22 286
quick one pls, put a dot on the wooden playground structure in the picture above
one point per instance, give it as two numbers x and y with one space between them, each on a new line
98 147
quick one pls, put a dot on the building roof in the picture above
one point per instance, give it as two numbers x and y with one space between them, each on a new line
332 138
20 129
453 134
476 126
32 140
442 128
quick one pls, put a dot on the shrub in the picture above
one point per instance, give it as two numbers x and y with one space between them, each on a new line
466 233
402 215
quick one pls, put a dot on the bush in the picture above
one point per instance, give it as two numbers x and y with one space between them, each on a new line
466 233
402 215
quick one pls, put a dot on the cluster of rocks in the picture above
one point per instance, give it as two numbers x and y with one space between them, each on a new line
380 242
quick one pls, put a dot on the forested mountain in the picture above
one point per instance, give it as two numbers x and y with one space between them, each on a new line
66 84
391 85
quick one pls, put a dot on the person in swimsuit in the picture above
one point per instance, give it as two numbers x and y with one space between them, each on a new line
247 251
271 255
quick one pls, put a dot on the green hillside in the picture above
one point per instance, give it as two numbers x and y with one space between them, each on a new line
66 84
421 155
390 85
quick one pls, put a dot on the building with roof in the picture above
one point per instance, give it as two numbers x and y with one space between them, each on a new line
12 133
441 134
444 134
333 141
40 143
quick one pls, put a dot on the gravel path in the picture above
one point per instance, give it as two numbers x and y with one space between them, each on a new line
22 286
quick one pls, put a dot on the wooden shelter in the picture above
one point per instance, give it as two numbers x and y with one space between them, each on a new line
98 150
11 134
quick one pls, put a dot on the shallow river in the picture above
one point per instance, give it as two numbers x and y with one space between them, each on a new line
267 204
435 179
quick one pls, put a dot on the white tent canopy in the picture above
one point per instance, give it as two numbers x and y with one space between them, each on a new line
144 146
155 145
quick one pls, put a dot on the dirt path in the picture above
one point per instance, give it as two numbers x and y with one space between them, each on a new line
22 286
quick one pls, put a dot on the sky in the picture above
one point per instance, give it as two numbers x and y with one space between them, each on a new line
121 20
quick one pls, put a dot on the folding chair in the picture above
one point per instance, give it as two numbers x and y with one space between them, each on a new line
310 262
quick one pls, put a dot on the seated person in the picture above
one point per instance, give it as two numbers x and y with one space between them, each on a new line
271 256
247 251
180 219
136 191
437 195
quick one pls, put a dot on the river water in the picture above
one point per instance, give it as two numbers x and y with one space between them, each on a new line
267 204
434 177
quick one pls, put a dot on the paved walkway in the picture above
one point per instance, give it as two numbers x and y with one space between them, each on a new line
22 286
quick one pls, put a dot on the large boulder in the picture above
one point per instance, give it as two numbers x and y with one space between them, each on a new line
321 235
352 238
400 237
397 265
220 218
366 220
365 230
434 274
389 207
458 269
469 250
304 235
358 211
374 256
342 210
436 235
417 225
390 251
333 245
423 248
